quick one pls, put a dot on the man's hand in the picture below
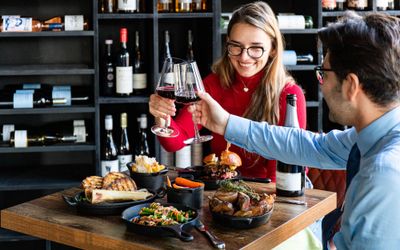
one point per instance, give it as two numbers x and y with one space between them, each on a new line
210 114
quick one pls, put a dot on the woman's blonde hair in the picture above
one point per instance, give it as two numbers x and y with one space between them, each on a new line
266 96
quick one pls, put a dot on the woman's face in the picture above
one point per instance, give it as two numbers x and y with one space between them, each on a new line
245 36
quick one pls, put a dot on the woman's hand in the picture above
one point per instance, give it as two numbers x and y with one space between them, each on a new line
210 114
161 108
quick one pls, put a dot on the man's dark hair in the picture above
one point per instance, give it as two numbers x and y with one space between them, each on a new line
369 47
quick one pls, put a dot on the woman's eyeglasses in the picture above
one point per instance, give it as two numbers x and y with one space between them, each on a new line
319 72
254 52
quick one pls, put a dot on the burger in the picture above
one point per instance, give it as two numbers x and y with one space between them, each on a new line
223 167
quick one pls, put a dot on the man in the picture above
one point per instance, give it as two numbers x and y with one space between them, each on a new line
360 80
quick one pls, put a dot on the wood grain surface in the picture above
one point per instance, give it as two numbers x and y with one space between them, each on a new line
50 218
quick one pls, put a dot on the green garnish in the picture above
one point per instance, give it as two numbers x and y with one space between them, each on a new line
239 186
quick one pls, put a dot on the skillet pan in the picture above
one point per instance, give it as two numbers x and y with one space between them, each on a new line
178 230
106 208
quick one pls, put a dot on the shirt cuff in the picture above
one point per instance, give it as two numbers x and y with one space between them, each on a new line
237 130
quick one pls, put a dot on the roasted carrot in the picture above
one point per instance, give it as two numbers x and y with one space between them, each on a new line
177 186
169 182
188 183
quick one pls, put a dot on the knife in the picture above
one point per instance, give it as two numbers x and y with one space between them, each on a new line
289 201
217 243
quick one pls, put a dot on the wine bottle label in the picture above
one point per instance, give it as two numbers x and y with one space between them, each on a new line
80 133
357 4
7 129
73 22
139 81
185 1
382 3
16 24
109 166
165 1
166 158
124 80
23 99
289 57
62 92
127 5
197 154
291 22
108 122
20 139
55 26
288 181
123 160
31 86
110 77
183 157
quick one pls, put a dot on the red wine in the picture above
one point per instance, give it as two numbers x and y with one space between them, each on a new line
167 92
187 100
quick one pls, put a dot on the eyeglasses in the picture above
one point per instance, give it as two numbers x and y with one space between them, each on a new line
254 52
319 72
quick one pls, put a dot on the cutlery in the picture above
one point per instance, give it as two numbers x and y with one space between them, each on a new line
296 202
217 243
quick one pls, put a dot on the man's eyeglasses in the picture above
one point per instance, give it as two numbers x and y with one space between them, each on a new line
319 72
254 52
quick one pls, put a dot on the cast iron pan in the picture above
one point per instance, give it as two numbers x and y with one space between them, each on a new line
105 208
178 230
241 222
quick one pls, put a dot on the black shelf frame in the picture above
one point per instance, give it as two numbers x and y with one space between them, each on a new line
122 100
47 34
50 110
31 70
53 148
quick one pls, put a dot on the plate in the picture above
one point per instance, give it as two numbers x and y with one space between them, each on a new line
106 208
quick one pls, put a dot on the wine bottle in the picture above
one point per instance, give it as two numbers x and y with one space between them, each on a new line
328 5
143 145
167 50
21 139
139 77
6 131
183 5
108 71
127 6
107 6
109 160
199 5
340 5
357 4
124 69
390 5
290 179
20 24
124 154
382 4
31 99
165 6
189 53
290 57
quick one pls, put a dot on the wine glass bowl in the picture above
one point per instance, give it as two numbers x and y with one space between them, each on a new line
186 89
166 88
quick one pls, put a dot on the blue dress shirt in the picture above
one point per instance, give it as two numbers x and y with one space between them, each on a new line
371 217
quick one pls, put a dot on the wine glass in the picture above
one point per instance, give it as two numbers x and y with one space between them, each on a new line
169 76
186 90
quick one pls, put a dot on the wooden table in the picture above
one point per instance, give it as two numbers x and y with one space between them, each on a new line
50 218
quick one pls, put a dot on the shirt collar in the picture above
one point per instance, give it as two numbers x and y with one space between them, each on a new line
377 129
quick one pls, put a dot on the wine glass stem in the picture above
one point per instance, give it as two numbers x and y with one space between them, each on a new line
196 129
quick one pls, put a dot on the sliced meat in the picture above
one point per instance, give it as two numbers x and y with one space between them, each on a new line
243 201
227 196
219 206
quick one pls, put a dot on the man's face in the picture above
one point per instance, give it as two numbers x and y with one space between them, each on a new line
339 107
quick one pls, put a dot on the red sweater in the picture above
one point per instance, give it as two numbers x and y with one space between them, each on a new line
235 101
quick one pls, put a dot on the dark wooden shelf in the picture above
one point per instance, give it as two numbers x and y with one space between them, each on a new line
53 69
53 148
125 16
8 235
122 100
286 31
341 13
47 34
50 110
42 178
185 15
312 104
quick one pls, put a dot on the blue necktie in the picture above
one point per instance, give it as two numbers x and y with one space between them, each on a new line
329 221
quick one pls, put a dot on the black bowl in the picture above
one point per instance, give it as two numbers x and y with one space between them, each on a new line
241 222
191 197
153 182
178 230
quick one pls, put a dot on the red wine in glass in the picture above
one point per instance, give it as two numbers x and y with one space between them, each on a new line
166 92
187 100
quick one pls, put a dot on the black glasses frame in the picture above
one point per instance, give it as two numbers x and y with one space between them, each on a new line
243 48
319 72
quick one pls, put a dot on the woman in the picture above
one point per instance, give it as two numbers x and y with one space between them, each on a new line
248 80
